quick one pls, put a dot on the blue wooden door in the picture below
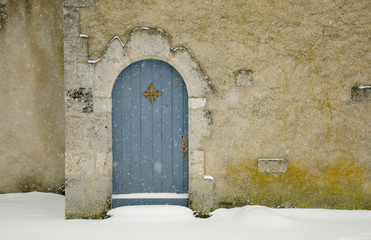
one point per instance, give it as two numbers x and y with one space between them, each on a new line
150 134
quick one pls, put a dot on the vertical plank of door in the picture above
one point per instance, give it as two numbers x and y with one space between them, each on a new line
146 129
156 69
177 131
116 141
125 130
135 128
167 130
185 127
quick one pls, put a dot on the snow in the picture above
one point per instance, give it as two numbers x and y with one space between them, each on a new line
147 28
94 61
271 159
113 39
116 38
363 87
207 177
41 216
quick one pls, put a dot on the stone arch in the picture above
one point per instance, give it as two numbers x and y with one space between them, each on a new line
96 87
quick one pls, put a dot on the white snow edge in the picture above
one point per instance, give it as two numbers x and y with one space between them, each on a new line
108 45
207 177
150 195
271 159
364 87
94 61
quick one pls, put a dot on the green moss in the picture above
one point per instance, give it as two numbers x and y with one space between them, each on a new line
87 215
100 213
3 16
34 184
31 185
337 186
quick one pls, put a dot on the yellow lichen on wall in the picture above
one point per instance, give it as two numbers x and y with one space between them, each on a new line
339 185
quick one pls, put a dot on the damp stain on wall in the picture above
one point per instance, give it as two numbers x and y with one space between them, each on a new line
3 16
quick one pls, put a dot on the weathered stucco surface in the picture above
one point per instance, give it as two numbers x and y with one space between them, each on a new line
31 85
299 61
304 56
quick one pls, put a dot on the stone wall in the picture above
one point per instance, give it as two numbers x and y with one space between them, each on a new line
31 85
289 80
281 75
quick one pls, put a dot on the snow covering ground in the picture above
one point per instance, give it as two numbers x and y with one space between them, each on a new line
41 216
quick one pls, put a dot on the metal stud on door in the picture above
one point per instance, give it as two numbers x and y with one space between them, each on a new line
149 112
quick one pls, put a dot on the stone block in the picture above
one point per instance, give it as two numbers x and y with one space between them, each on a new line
71 21
70 69
100 132
82 51
84 75
361 93
243 78
99 193
148 43
201 195
76 49
108 68
194 103
103 105
70 49
196 163
78 164
103 81
186 64
272 165
76 130
79 100
77 3
75 198
200 127
102 163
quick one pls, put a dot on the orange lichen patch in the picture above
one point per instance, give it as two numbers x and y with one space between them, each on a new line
337 185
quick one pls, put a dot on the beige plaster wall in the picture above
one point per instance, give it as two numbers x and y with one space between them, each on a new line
32 93
305 57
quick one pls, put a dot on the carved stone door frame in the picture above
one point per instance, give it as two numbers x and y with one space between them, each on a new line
88 109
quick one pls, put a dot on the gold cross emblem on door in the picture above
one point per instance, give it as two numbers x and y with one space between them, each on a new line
152 94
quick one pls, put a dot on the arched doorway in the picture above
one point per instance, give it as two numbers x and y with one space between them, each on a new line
88 157
150 134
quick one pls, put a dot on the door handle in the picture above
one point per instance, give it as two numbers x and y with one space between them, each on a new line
184 145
